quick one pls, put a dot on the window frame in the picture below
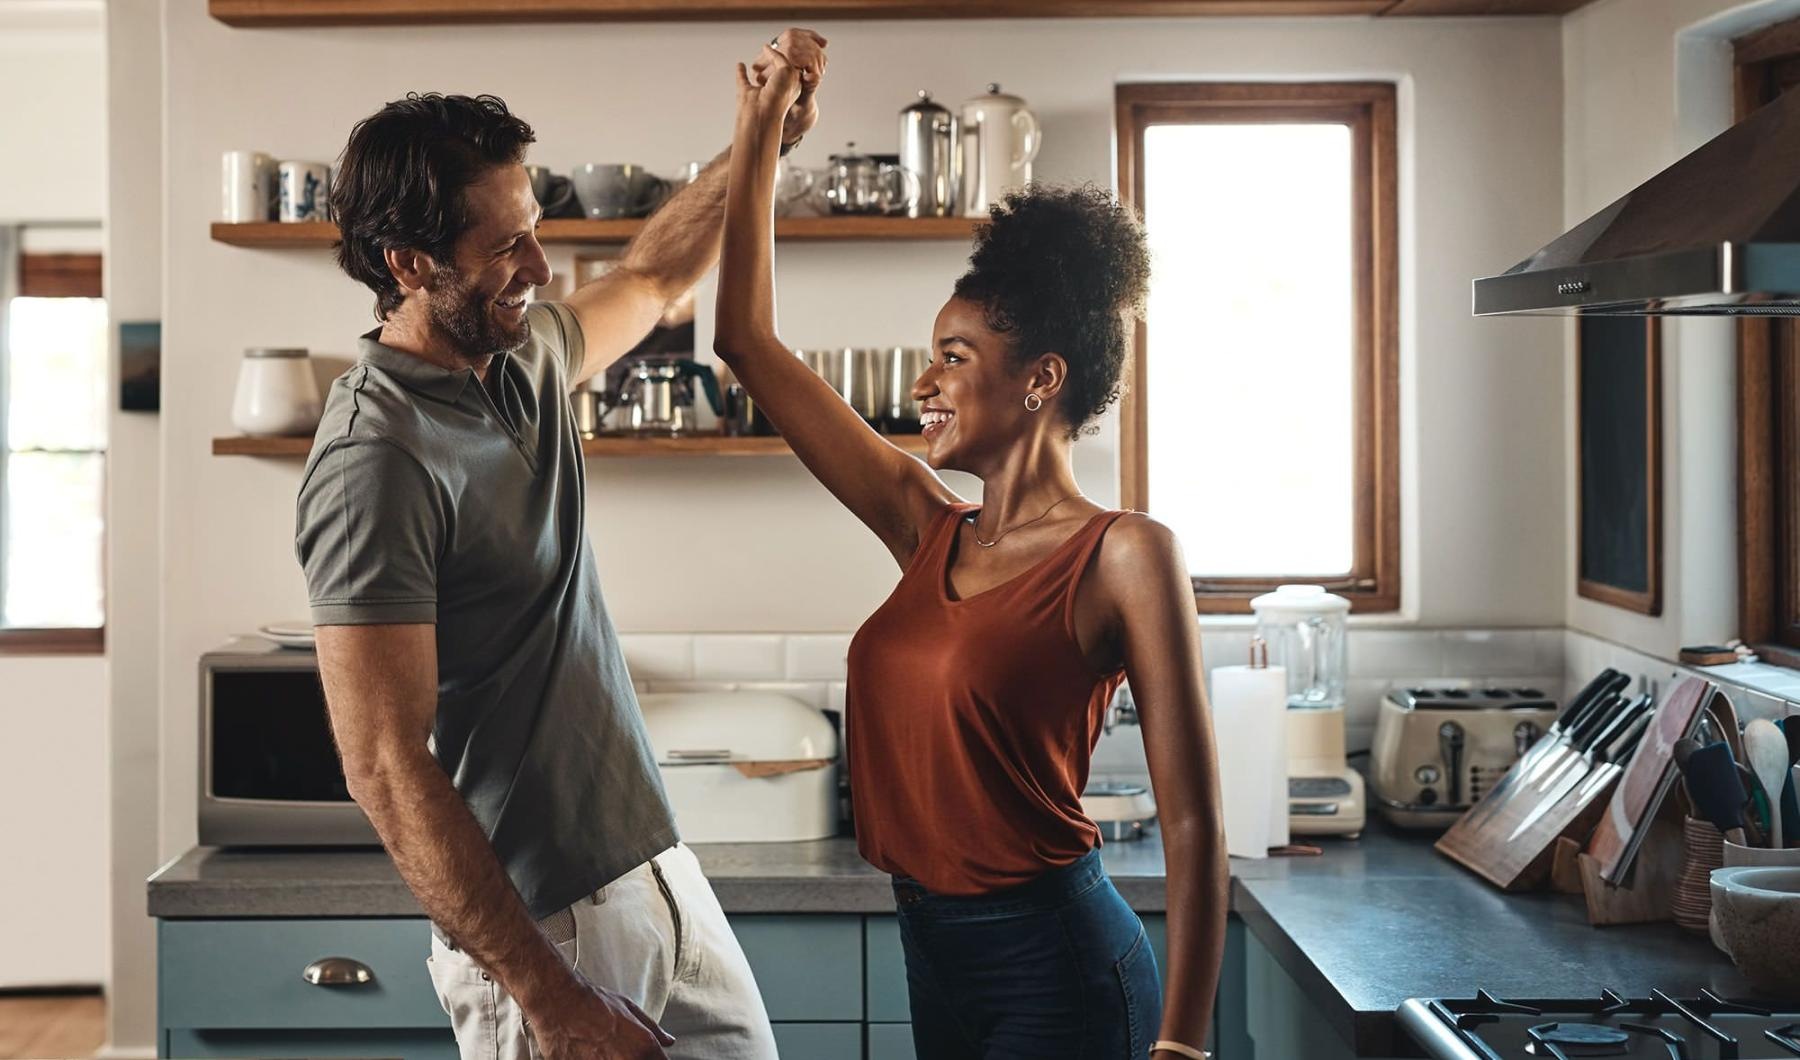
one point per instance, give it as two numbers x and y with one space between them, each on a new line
1369 109
49 276
1768 437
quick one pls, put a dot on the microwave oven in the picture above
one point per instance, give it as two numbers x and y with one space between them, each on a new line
269 769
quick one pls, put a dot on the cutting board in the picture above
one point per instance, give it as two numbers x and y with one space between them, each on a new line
1647 780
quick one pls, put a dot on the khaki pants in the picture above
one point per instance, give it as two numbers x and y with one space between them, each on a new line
655 935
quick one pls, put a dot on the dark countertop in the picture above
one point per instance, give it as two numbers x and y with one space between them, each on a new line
1369 924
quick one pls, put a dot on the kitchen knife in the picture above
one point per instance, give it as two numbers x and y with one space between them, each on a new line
1621 748
1581 739
1551 745
1604 724
1717 791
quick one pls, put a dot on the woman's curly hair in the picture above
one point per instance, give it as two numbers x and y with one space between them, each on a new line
1063 270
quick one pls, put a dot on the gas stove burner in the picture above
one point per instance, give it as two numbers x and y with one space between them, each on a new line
1578 1039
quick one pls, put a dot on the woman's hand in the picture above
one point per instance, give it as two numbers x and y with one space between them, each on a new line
802 51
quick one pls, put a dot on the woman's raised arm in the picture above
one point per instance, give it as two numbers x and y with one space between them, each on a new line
891 491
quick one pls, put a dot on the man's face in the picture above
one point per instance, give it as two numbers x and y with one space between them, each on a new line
478 300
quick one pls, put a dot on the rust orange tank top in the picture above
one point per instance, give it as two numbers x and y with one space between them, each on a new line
971 723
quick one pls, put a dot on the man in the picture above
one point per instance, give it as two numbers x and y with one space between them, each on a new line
486 722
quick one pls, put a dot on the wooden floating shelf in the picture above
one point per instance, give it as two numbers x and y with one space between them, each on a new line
253 13
690 445
275 234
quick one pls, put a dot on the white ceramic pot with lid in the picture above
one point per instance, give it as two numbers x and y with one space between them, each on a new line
276 393
1000 140
1304 627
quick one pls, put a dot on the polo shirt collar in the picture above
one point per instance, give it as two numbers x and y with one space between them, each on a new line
415 373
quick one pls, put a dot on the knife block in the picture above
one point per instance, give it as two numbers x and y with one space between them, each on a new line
1656 875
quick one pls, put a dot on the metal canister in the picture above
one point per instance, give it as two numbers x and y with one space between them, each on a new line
928 147
868 382
907 365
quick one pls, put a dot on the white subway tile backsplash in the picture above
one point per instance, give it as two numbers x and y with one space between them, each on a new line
836 694
811 693
691 686
817 656
1395 653
658 656
1490 651
740 657
1551 651
1224 647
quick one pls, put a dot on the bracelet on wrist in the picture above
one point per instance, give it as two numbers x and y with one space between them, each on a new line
1180 1050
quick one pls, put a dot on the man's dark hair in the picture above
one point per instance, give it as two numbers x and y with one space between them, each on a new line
1060 270
401 180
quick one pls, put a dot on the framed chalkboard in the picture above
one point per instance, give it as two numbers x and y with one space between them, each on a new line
1619 423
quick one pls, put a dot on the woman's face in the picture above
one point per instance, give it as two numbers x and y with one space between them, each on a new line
972 394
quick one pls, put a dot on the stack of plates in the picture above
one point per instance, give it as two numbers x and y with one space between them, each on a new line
1692 904
289 634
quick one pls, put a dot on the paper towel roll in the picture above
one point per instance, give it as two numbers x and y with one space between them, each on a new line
1249 707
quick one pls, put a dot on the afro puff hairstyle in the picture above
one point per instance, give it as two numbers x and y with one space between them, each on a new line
1063 270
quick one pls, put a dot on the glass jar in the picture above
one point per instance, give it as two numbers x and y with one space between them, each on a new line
1304 627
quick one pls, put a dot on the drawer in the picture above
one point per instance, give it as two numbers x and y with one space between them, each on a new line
890 1041
413 1045
225 974
818 1041
886 971
808 968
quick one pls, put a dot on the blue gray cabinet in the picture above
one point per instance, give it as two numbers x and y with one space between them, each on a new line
835 987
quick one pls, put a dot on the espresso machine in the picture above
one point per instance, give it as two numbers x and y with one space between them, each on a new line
1304 627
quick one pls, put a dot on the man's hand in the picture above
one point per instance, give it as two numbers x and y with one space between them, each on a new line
601 1024
803 50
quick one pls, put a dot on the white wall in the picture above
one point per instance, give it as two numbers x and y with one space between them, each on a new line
53 128
53 775
697 545
53 794
134 549
1646 81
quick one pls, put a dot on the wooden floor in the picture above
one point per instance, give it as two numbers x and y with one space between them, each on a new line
43 1026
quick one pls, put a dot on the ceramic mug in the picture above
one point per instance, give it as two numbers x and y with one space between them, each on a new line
249 187
305 191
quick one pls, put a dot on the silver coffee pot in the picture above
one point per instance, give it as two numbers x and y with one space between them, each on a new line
928 150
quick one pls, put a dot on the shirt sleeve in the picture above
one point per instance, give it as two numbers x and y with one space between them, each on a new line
370 528
555 326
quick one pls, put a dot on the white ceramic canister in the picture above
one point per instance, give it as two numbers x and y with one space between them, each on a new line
1000 139
248 187
276 393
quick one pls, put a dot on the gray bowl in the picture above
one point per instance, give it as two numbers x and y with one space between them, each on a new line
1758 911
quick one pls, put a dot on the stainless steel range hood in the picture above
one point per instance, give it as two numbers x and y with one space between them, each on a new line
1717 233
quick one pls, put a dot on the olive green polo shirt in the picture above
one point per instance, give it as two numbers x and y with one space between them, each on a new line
430 497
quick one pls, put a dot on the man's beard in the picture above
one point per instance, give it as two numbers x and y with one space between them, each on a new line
467 317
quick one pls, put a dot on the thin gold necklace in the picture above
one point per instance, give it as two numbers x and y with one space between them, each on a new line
970 519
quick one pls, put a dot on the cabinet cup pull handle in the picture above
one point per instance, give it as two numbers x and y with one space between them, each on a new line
337 971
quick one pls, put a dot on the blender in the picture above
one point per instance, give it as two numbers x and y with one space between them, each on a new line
1304 627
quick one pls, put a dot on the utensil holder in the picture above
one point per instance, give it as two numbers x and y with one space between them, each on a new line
1705 851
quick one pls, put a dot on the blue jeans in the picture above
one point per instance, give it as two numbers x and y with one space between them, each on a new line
1055 969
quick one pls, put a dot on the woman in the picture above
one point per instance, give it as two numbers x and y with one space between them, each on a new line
977 690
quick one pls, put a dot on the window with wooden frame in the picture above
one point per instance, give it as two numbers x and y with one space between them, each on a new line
1768 65
1261 421
53 351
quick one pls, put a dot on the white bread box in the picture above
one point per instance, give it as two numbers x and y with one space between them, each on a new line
744 767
